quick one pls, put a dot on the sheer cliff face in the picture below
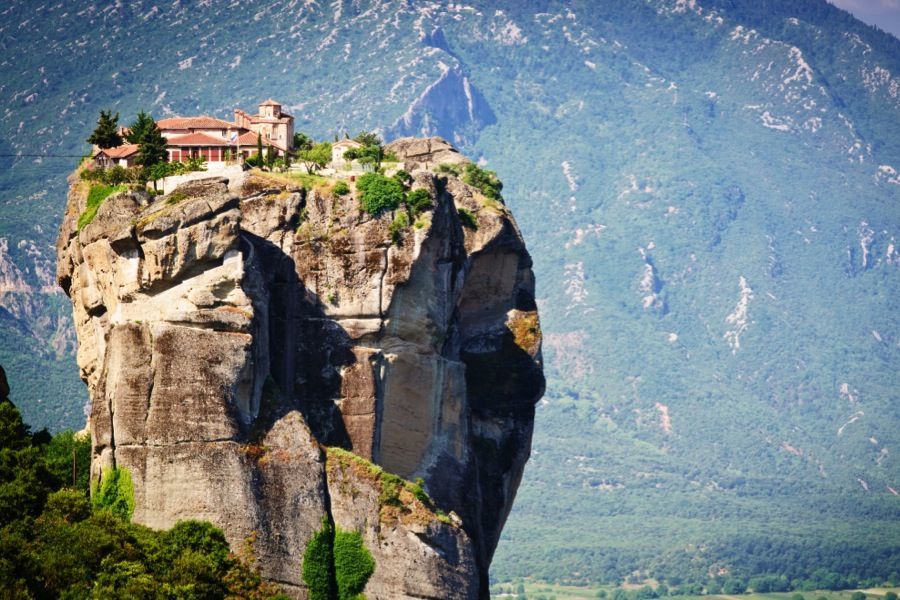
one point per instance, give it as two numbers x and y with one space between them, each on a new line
231 331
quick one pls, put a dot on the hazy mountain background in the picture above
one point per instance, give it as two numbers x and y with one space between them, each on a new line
885 14
710 192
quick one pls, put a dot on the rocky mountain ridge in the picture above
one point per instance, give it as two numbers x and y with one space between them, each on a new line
228 339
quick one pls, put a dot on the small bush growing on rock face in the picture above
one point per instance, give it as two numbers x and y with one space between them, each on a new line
176 197
378 193
448 168
400 222
341 188
318 563
390 490
116 493
486 181
403 177
467 218
116 175
336 564
353 564
418 490
418 201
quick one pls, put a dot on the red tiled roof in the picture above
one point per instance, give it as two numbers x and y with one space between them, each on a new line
196 139
284 118
270 102
202 122
249 139
122 151
347 143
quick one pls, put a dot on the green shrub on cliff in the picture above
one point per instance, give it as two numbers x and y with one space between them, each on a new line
400 222
390 490
341 188
403 177
467 218
336 564
353 564
318 563
96 197
449 168
418 201
115 493
486 181
378 193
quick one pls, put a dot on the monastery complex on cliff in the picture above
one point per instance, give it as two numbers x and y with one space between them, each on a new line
215 140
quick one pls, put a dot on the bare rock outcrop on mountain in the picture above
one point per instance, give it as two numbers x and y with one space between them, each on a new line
230 341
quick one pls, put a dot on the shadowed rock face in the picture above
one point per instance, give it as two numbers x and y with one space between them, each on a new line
225 339
4 385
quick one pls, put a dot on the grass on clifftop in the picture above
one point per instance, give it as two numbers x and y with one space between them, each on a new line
307 181
98 193
396 493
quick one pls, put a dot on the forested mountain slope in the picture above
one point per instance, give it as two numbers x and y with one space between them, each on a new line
709 189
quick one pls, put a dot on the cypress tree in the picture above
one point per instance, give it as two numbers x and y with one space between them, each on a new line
106 134
152 147
139 127
152 144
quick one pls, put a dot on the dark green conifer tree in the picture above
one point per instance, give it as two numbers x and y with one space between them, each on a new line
139 127
152 147
106 134
145 133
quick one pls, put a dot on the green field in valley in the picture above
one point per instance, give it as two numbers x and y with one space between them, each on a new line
543 591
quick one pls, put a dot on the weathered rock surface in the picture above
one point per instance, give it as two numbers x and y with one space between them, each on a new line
417 555
227 338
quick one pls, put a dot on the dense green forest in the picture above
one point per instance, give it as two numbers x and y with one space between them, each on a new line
59 541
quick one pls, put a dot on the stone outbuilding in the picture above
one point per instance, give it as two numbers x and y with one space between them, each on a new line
337 153
276 128
123 156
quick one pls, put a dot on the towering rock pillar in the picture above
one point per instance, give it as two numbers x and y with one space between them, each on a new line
275 357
